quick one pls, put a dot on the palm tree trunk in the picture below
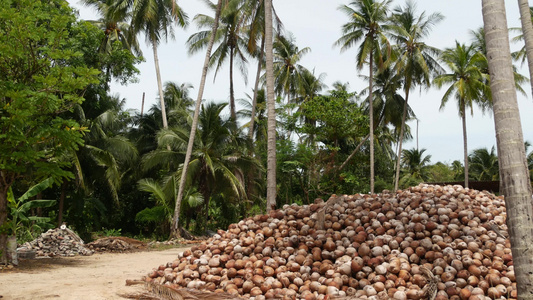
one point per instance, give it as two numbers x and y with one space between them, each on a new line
527 31
402 128
174 231
271 107
159 86
256 86
465 141
371 115
353 153
233 114
514 176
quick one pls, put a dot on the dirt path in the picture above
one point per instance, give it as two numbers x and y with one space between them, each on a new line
100 276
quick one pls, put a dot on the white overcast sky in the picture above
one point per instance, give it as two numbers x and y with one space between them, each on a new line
317 24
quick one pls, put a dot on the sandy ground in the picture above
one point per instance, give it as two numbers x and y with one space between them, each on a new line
100 276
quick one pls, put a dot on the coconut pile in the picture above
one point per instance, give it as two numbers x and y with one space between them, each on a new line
116 244
56 242
425 242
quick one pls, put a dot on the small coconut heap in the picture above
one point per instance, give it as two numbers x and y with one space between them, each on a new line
117 244
56 242
425 242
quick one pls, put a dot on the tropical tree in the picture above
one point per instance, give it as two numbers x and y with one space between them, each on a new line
416 60
36 70
271 109
467 85
287 70
415 166
154 18
484 164
174 231
114 29
232 41
516 186
367 24
527 29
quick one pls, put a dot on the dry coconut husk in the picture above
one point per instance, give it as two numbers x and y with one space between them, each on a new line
116 244
164 292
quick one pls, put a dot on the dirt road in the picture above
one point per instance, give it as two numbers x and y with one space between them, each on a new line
98 277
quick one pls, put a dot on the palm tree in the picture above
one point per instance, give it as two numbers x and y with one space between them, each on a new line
231 36
516 186
217 162
271 109
527 29
115 29
467 85
415 166
415 59
254 12
367 23
484 164
287 70
174 230
154 18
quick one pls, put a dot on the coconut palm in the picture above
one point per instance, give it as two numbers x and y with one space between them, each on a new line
516 186
484 164
231 40
271 109
254 12
115 29
155 19
416 60
287 70
367 24
415 166
174 231
527 29
217 161
467 85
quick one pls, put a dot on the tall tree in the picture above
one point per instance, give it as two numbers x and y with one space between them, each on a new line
174 230
527 32
484 164
415 166
115 29
467 85
516 186
416 60
37 86
367 23
154 18
232 45
271 109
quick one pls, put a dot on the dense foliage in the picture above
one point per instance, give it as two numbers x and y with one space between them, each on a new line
116 170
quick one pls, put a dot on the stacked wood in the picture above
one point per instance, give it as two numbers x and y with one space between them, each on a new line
56 242
425 242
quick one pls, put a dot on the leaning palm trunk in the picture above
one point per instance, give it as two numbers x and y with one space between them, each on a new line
174 231
160 86
271 107
402 129
353 153
254 99
527 31
516 186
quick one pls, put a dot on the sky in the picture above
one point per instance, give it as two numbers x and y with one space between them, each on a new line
317 24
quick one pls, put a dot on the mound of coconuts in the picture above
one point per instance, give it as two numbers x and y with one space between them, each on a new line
425 242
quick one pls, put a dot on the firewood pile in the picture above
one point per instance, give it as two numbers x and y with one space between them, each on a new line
425 242
56 242
116 244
